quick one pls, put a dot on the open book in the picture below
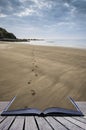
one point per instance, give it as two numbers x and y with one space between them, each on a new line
54 111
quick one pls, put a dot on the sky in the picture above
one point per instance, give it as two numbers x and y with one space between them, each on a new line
44 18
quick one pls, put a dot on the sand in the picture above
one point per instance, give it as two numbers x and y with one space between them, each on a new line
41 76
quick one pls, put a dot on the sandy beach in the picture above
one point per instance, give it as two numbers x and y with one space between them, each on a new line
41 76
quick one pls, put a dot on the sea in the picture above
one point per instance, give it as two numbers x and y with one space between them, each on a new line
73 43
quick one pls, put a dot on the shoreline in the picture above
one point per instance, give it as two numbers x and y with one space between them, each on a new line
28 43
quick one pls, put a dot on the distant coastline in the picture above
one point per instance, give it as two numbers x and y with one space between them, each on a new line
10 37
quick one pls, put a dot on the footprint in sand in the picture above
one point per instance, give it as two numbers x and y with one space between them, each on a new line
32 69
36 66
29 82
36 75
33 92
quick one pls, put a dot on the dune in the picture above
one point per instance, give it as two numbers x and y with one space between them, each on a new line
41 76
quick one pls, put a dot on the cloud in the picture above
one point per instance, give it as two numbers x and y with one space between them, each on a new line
79 5
26 12
23 7
34 7
49 15
43 7
8 7
2 15
43 4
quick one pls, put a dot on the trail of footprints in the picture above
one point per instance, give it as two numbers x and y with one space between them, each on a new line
34 69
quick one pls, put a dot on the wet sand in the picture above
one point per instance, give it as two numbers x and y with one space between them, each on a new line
41 76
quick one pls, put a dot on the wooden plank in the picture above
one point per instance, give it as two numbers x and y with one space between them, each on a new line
30 123
6 123
2 118
80 124
18 123
55 124
42 124
68 124
80 119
